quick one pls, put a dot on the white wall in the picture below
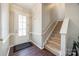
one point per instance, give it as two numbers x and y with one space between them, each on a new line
4 20
4 28
60 10
52 13
14 11
37 25
37 18
46 19
0 21
72 11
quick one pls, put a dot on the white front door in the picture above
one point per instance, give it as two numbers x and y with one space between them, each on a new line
21 29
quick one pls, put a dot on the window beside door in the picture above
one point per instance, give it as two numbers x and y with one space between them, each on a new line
21 25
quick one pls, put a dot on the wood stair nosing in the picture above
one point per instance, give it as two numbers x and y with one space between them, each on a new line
55 38
57 41
56 35
53 46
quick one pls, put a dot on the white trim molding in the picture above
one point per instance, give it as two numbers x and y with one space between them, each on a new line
64 27
35 33
36 44
8 51
63 33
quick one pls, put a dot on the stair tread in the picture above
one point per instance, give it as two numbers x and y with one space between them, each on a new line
52 49
55 38
54 42
53 46
56 35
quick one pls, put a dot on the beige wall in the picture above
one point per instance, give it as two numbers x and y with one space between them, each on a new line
48 15
72 12
60 11
14 9
52 13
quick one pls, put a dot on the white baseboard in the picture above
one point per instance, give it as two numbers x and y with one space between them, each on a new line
34 33
8 51
49 34
36 44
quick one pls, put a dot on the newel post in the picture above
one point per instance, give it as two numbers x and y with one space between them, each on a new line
63 44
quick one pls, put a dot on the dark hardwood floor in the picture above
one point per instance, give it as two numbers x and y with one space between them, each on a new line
31 51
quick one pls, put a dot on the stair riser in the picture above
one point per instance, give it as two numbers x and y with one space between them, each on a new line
57 39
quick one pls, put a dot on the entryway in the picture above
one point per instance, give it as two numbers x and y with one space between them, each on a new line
30 51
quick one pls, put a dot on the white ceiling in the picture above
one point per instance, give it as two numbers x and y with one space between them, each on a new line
26 5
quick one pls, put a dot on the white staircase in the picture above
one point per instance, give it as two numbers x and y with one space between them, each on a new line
53 43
